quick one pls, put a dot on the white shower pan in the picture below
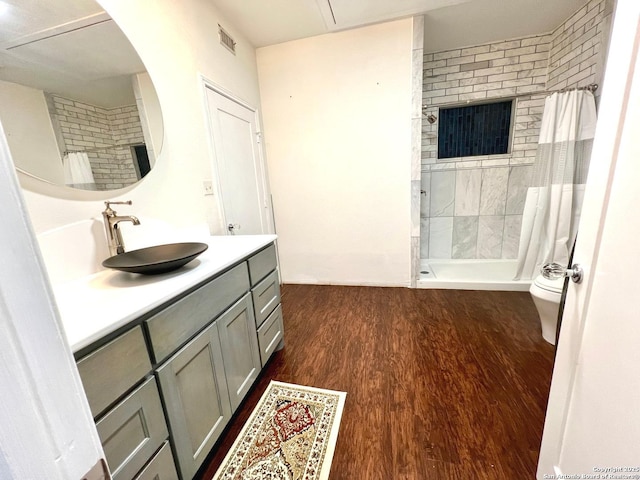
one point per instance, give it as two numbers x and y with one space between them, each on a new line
471 274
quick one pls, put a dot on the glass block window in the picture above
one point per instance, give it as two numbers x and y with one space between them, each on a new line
474 130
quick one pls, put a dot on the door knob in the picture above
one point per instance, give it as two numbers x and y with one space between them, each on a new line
554 271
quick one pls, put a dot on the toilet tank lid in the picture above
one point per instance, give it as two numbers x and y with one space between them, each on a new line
551 285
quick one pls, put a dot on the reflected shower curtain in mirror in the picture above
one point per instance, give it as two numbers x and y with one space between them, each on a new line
554 200
77 171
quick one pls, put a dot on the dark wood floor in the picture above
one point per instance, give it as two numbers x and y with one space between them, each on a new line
441 384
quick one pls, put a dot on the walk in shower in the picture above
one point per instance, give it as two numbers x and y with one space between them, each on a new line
470 227
472 201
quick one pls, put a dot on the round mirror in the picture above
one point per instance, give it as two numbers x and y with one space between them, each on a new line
76 104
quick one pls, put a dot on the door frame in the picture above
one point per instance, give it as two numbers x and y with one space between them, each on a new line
261 167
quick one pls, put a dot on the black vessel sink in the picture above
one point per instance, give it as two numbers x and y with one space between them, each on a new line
157 259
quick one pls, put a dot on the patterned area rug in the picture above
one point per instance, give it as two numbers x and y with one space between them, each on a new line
291 435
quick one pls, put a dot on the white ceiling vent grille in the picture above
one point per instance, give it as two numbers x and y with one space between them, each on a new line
226 40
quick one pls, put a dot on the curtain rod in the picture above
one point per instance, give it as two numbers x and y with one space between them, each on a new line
592 87
92 150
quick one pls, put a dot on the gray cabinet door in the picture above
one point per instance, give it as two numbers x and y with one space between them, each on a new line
161 467
239 342
196 398
133 431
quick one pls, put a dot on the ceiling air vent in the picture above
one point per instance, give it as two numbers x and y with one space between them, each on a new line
226 40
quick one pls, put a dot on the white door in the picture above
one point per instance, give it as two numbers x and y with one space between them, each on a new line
46 427
241 177
593 414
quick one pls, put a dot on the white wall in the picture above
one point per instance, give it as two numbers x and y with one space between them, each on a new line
27 125
337 122
177 41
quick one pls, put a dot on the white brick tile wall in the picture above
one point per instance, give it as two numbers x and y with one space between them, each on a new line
446 55
534 57
545 47
489 86
536 40
516 52
476 50
448 84
575 48
489 56
473 80
496 70
506 61
435 64
459 60
445 70
489 71
517 67
473 96
521 90
445 99
458 90
459 76
502 76
508 45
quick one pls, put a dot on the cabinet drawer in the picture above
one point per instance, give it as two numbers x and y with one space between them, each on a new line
111 370
162 467
173 326
133 431
270 334
262 263
266 296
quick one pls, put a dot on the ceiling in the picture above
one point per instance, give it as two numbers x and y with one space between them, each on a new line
72 47
448 23
68 47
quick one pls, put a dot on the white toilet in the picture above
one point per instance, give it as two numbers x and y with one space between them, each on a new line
546 296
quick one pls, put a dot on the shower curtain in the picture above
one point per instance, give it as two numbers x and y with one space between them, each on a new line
554 200
77 171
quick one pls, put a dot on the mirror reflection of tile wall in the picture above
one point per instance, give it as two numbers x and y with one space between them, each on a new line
106 134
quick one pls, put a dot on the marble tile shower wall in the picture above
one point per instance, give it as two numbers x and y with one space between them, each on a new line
473 213
471 207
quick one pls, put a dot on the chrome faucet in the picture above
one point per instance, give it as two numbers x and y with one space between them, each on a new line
111 222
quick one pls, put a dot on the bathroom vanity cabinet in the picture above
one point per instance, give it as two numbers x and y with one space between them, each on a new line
163 390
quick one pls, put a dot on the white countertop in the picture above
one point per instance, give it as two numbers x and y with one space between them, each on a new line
96 305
